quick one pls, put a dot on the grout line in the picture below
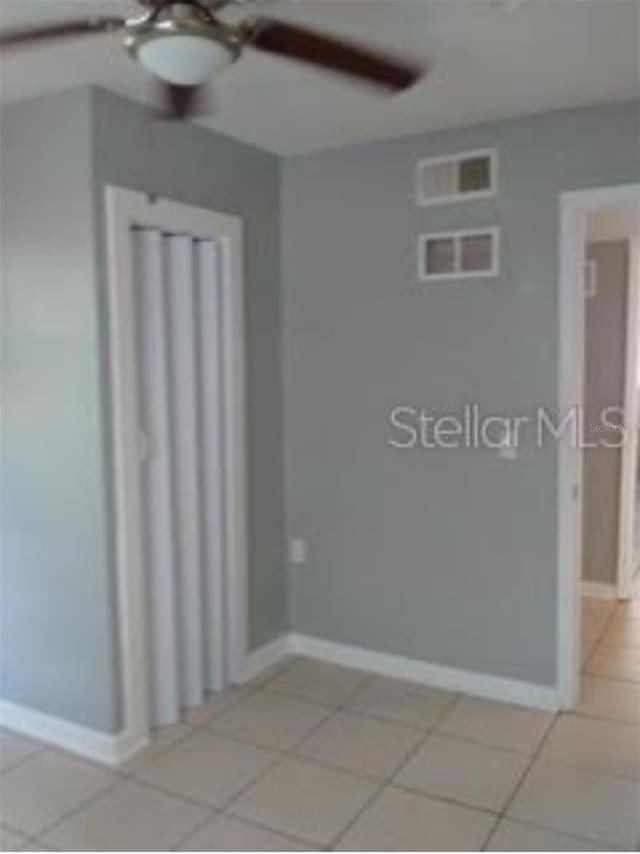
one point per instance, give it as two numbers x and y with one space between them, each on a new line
595 844
454 698
198 827
128 775
121 776
78 808
592 716
49 827
13 765
503 813
446 799
538 752
261 686
291 753
205 725
12 828
388 780
252 823
605 628
282 756
595 649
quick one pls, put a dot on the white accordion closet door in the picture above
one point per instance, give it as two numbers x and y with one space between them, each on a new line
159 541
209 290
179 318
186 454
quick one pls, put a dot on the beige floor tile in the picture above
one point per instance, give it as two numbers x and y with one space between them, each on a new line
594 626
404 821
589 632
225 833
16 748
264 676
162 738
307 801
579 803
621 616
587 652
11 841
402 702
497 724
617 662
41 790
624 632
207 767
213 705
597 605
363 745
604 746
130 817
611 699
473 774
629 609
515 836
317 680
271 720
588 640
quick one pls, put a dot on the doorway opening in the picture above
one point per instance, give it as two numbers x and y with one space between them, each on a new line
599 379
176 334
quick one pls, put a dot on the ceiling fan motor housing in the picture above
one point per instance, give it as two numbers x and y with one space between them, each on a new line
182 43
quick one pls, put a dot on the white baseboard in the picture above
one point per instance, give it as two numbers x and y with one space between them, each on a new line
599 590
426 673
115 749
398 667
111 750
263 657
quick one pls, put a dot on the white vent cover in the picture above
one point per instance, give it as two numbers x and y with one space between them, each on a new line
459 254
467 175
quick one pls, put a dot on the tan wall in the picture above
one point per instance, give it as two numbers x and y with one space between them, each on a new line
605 342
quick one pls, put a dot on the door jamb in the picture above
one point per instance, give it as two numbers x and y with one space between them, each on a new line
629 457
126 209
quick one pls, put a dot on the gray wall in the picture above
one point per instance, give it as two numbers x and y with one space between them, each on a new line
59 650
57 637
416 552
410 552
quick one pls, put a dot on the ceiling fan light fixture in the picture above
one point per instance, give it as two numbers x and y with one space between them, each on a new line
185 60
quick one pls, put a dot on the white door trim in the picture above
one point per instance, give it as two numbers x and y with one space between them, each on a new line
573 214
126 209
629 460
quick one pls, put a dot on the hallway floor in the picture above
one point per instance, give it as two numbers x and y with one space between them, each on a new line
314 756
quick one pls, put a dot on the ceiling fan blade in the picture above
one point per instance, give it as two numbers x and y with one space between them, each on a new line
64 29
183 102
304 45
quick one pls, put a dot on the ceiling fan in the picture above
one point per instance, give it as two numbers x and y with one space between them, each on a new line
184 43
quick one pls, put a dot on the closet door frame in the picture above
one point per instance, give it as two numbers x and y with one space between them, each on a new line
127 209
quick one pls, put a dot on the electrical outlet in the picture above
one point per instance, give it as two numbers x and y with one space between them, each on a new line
298 552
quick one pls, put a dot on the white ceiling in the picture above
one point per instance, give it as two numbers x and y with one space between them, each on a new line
491 59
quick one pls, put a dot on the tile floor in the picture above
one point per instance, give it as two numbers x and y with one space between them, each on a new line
321 757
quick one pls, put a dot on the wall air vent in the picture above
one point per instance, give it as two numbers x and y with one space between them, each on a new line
467 254
457 177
